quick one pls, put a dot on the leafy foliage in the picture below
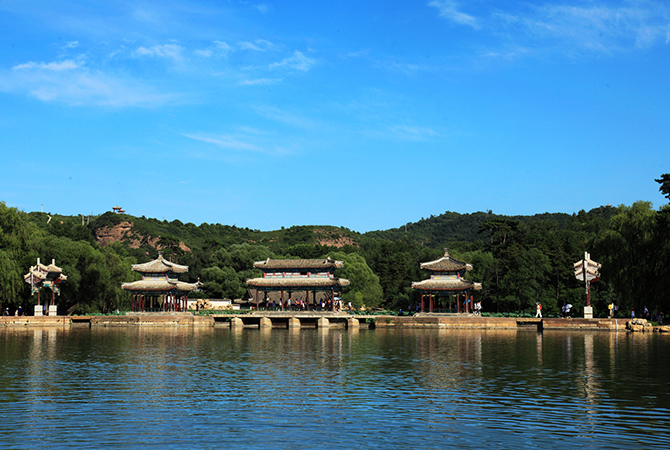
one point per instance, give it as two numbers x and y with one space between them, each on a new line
518 259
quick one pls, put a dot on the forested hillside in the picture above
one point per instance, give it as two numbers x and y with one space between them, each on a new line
519 260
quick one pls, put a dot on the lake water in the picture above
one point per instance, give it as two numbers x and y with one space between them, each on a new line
218 388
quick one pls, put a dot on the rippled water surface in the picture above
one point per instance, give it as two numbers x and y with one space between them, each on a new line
210 387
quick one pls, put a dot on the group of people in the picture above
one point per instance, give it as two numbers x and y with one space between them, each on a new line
17 312
657 316
301 305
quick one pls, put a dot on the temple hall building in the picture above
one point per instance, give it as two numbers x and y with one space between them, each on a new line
308 276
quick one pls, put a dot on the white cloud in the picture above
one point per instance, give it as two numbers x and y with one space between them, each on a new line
225 141
260 81
581 26
599 27
413 133
296 62
260 45
162 51
449 10
217 48
262 7
204 53
52 66
279 115
70 83
71 44
246 142
220 45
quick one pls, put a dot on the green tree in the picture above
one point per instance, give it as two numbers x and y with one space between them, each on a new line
17 243
629 255
364 288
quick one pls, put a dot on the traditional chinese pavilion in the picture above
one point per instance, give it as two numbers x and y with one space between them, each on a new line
159 287
50 277
299 275
446 278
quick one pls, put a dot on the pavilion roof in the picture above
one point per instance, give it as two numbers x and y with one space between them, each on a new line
149 285
297 282
446 264
433 284
162 285
159 265
276 264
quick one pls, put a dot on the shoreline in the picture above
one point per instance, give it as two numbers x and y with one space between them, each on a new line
292 320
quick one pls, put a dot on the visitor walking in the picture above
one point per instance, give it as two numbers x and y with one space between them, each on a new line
539 310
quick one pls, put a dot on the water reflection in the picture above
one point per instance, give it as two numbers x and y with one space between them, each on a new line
199 387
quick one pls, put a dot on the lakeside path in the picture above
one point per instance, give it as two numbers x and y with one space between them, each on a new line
297 320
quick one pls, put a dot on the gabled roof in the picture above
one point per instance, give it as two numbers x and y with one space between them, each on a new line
159 265
446 264
288 264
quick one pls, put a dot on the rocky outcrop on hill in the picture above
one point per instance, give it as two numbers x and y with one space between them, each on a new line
332 238
123 232
109 235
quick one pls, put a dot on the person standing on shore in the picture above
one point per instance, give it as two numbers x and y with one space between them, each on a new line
539 310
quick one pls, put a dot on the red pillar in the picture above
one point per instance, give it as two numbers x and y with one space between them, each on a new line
422 302
282 300
307 300
430 302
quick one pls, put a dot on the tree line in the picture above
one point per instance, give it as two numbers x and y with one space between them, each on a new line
519 260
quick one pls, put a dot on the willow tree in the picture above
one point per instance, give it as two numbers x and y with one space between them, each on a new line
17 241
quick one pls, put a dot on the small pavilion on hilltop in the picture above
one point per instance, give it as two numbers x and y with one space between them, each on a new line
299 275
446 278
159 287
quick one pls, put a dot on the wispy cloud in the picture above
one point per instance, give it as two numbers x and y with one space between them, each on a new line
260 45
262 7
71 83
450 10
278 115
246 142
52 66
297 61
172 51
602 28
260 81
403 132
71 44
582 26
206 53
225 141
218 48
412 133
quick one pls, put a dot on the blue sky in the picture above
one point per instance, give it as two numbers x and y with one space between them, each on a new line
365 114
